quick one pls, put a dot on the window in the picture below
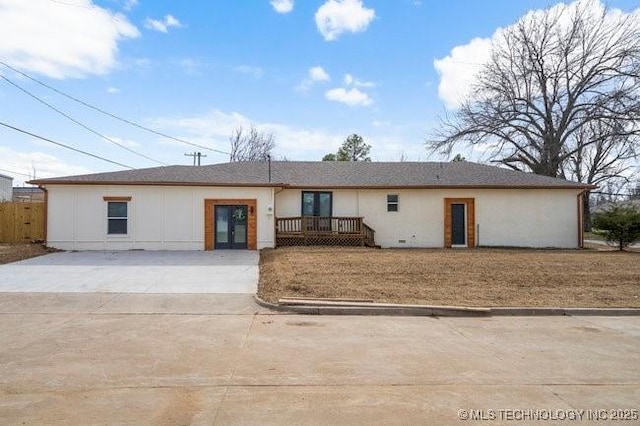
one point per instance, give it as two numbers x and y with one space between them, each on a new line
392 203
117 217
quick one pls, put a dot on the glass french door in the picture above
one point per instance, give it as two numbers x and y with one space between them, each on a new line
230 227
316 210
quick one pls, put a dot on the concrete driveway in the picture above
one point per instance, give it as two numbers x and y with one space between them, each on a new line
134 272
101 359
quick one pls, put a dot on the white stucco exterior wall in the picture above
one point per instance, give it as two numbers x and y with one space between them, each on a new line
503 217
160 217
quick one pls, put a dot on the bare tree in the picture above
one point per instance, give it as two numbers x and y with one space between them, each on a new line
251 145
600 160
551 78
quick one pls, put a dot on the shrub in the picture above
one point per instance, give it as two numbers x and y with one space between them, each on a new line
618 225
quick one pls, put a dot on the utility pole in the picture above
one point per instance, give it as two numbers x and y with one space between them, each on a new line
196 157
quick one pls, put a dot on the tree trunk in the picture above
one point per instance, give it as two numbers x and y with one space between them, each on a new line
586 211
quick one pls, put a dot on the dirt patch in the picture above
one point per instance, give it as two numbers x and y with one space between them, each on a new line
15 252
481 277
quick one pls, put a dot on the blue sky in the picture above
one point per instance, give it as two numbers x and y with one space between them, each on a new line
310 71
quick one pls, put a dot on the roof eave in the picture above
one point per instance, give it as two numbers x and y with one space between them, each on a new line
151 183
277 184
493 186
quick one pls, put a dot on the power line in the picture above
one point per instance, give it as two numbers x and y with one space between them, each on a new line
95 132
466 63
70 4
102 111
63 145
14 172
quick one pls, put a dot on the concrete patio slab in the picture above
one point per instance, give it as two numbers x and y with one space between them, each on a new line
134 272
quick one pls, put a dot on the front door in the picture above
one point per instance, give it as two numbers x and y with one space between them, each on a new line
458 225
230 227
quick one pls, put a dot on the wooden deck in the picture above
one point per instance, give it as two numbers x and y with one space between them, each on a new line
325 231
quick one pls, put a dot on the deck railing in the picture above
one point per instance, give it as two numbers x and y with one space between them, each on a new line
334 230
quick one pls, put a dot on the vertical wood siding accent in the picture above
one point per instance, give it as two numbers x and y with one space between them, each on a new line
252 221
471 220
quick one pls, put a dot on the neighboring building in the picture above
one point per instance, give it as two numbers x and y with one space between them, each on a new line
28 194
6 185
256 205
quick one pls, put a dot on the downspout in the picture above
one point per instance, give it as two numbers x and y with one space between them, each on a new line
581 218
46 212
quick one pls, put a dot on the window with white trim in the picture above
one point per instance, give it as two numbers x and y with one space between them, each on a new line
392 202
117 217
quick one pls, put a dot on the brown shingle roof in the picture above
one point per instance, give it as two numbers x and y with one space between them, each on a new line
326 174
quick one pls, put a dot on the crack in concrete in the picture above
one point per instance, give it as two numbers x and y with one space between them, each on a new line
235 366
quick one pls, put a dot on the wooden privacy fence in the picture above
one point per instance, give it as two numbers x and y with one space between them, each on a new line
21 222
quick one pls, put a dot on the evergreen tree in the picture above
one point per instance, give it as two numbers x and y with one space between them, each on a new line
619 225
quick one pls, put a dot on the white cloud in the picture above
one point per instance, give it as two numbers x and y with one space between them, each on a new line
214 128
45 165
318 74
282 6
459 68
348 79
129 4
171 21
142 62
162 25
315 74
350 94
351 97
113 90
42 37
335 17
256 72
192 66
351 80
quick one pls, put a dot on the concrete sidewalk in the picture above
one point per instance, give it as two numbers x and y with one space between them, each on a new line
134 272
604 243
70 360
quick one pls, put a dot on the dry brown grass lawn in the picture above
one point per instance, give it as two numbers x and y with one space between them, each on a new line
14 252
482 277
